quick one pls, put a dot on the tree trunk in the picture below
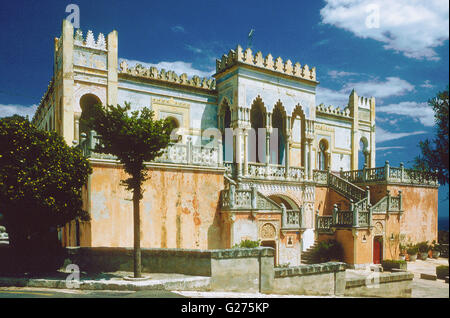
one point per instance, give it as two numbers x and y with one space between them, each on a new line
137 232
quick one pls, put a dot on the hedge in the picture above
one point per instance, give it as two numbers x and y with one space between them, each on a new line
389 264
442 271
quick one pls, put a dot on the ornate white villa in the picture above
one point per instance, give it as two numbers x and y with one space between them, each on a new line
289 172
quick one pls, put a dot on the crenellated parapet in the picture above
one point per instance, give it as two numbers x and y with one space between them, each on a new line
268 62
167 76
89 41
363 102
336 111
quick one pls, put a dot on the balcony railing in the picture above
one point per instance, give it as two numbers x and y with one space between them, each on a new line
175 153
263 171
392 175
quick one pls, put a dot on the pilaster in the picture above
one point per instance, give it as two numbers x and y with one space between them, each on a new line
112 68
66 109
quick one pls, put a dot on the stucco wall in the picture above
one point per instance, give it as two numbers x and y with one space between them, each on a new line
325 200
420 206
180 208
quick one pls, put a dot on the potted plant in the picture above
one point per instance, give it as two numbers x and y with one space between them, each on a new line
435 250
412 253
423 248
402 252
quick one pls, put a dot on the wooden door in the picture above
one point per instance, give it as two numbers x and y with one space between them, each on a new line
377 249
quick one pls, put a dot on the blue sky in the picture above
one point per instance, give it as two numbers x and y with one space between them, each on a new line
403 61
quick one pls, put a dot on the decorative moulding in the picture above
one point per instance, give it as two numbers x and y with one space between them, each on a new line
167 76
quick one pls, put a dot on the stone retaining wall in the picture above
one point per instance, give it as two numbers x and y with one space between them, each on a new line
380 285
315 279
245 270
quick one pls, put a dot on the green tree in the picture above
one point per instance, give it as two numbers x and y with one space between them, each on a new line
41 180
134 138
434 153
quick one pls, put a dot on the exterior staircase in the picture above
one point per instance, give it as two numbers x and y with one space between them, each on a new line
307 256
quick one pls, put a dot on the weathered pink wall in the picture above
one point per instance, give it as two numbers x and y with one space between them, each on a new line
180 209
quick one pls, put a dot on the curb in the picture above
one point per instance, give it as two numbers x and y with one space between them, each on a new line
428 276
196 283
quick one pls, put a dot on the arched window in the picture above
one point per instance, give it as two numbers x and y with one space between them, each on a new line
86 103
323 147
175 134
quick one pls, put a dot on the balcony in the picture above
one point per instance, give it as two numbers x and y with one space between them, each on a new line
175 153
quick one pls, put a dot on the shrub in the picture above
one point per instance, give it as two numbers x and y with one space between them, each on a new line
247 244
442 271
423 247
436 247
389 264
327 251
412 250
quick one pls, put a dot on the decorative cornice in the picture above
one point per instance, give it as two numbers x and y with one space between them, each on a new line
288 68
170 102
167 76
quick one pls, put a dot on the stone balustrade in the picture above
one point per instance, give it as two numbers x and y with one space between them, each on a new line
388 204
175 153
263 171
391 175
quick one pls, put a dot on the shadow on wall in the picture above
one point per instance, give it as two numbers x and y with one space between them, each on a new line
215 232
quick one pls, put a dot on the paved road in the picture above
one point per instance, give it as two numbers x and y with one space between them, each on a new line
16 292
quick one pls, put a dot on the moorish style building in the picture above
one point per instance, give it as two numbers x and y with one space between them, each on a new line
253 157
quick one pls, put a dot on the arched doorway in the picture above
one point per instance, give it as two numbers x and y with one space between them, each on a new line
269 236
227 133
256 149
298 131
86 103
279 128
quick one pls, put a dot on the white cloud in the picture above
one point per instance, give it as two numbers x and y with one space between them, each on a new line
382 135
179 67
421 112
335 74
427 84
331 97
9 110
387 148
392 86
413 27
193 49
178 28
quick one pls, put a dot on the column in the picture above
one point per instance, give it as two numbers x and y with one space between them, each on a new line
286 161
309 159
245 152
238 151
76 132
